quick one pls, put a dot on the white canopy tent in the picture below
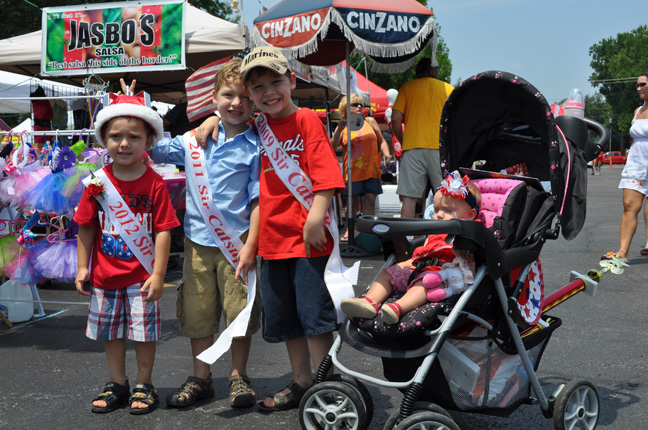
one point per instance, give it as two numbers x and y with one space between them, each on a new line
16 87
207 38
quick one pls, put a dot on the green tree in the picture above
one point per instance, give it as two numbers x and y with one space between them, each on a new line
617 62
597 109
22 17
395 80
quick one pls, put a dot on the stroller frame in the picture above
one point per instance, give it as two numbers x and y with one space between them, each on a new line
336 414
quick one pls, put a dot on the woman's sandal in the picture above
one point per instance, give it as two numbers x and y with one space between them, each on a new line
613 255
190 392
144 393
115 396
283 402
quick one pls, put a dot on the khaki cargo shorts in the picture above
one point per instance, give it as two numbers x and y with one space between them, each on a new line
209 291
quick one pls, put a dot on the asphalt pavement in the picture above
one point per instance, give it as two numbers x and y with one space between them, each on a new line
49 370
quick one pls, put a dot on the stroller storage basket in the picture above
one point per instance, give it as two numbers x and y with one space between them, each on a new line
473 373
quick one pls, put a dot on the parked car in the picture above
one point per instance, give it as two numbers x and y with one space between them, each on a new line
615 156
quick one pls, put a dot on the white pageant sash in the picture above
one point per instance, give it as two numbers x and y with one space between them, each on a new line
339 278
130 229
225 237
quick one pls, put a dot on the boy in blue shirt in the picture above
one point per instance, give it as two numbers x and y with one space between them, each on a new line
211 286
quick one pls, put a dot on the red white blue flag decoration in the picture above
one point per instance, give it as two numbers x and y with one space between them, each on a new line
200 86
391 32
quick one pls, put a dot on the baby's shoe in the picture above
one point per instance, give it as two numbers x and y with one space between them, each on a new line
391 312
359 307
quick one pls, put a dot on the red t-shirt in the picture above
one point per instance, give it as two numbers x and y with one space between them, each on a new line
113 264
282 217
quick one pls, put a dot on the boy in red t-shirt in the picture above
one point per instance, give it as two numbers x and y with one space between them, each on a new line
293 241
124 296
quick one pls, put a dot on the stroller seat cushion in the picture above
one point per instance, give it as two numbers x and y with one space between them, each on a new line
425 317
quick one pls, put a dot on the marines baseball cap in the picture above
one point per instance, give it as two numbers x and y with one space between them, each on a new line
268 57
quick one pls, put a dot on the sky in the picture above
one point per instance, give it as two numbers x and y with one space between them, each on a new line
545 42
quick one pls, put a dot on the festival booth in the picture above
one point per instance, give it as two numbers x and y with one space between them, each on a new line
160 43
206 38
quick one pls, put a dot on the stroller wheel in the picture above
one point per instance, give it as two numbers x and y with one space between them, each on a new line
419 406
361 391
329 405
429 421
577 406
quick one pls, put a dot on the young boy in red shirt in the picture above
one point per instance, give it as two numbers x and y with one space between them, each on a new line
125 217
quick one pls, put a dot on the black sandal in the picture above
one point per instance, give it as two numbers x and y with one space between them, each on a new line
115 396
192 390
284 402
145 393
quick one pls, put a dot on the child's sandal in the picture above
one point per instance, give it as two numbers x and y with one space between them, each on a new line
144 393
359 307
192 390
115 396
391 312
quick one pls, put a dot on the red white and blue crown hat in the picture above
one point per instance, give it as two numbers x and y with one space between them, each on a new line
136 106
455 185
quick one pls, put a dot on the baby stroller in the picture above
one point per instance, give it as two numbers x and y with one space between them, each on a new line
478 351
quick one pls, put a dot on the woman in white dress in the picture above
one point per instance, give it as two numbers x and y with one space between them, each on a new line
634 179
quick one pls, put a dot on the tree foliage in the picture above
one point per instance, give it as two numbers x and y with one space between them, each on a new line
396 80
617 62
22 17
597 109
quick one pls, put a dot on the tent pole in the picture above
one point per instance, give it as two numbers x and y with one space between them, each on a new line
351 250
350 209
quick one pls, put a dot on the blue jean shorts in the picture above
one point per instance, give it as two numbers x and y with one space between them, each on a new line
296 302
368 186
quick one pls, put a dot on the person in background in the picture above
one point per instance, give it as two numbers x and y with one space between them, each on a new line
598 162
367 144
419 105
176 121
43 114
634 178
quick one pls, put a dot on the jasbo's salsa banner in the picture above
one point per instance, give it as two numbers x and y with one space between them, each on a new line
113 37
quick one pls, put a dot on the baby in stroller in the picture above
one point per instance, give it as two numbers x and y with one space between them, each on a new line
435 271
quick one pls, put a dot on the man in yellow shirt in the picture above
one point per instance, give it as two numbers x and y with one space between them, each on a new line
419 105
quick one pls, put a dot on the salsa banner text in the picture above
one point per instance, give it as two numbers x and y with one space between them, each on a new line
113 38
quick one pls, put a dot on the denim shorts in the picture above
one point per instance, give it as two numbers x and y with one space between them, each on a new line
296 302
368 186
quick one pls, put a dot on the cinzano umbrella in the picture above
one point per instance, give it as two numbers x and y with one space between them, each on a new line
324 32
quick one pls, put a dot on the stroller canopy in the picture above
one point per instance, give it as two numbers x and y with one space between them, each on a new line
504 121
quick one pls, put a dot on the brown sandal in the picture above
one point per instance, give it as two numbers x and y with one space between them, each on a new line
283 402
192 390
